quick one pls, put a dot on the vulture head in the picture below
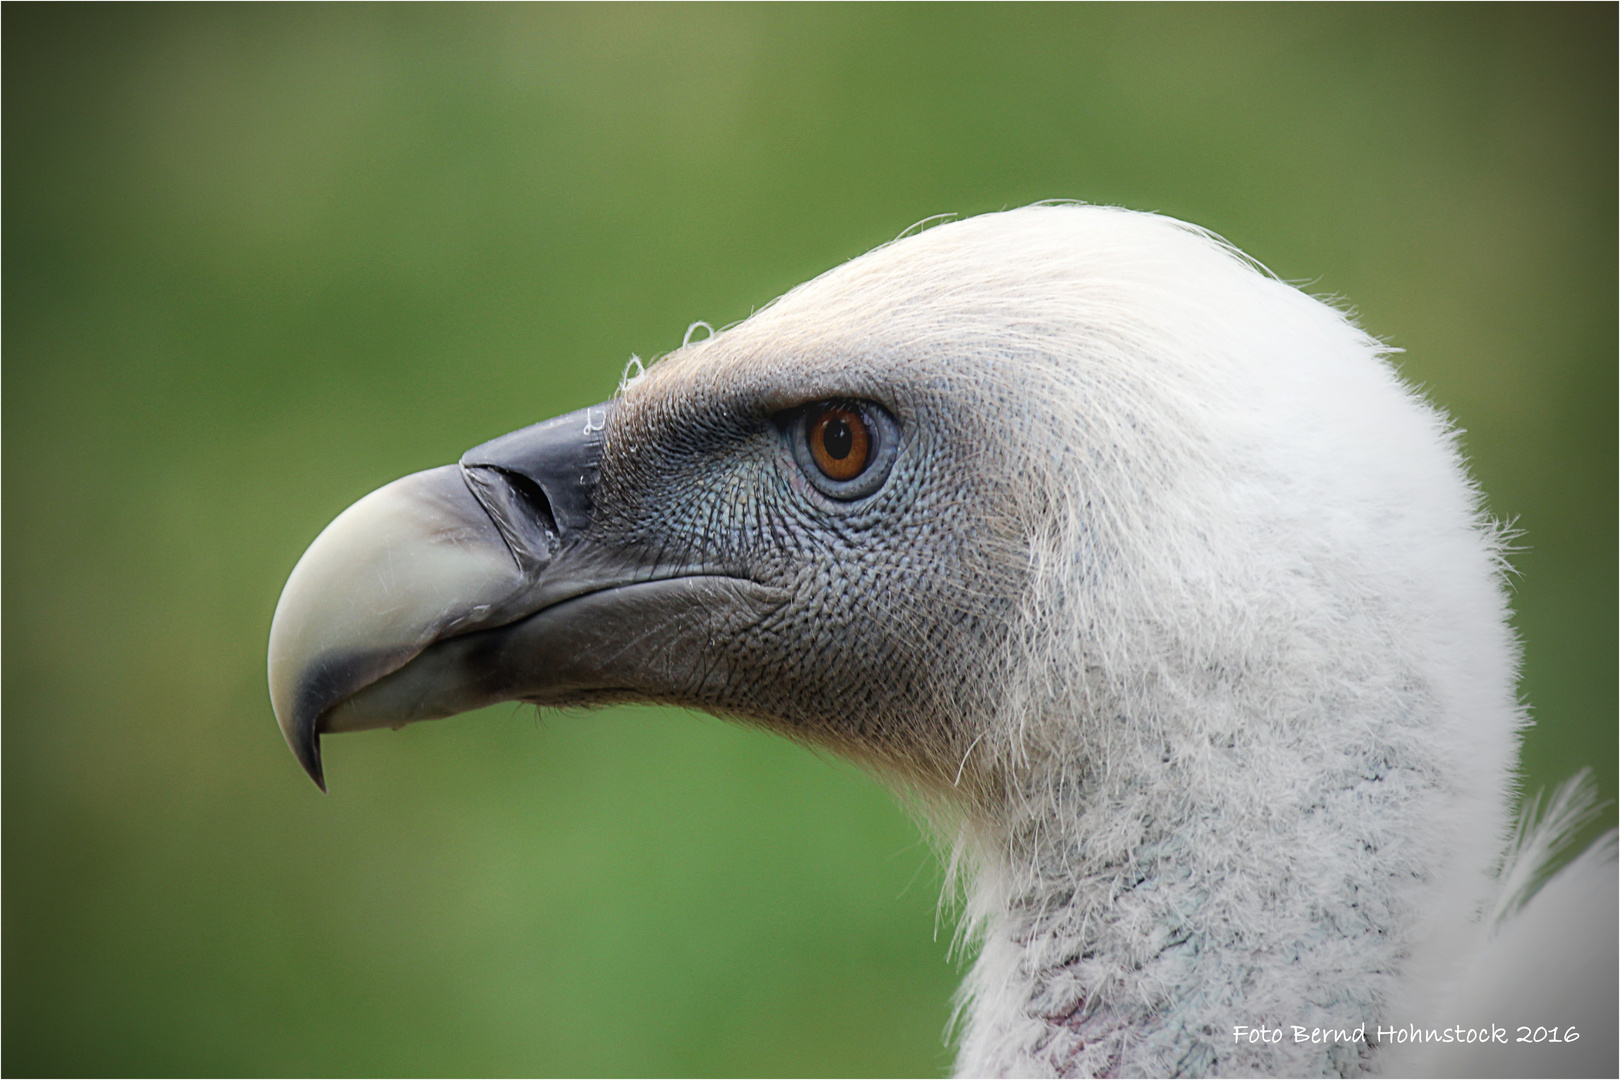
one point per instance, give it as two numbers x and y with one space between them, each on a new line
1140 569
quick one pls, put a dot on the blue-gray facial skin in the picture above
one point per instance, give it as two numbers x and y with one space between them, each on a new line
843 654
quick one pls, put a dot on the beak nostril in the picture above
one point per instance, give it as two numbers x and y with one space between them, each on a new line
533 499
520 510
542 476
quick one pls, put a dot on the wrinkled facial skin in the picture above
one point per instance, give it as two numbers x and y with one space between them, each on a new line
884 622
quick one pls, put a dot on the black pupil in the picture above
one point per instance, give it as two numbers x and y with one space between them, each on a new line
838 439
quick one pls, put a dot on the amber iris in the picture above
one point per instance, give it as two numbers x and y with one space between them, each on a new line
840 442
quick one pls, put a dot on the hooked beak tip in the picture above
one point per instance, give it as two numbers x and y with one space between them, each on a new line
312 765
305 741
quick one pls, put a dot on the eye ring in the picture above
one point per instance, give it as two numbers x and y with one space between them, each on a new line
844 448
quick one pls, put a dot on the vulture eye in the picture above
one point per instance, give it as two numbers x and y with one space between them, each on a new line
839 442
844 448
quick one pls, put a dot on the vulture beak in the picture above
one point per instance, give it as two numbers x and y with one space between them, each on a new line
396 611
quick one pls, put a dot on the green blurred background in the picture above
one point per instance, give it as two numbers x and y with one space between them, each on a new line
260 260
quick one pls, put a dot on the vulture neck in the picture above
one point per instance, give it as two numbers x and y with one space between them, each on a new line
1168 876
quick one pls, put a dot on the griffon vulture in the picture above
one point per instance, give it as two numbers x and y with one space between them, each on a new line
1139 568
